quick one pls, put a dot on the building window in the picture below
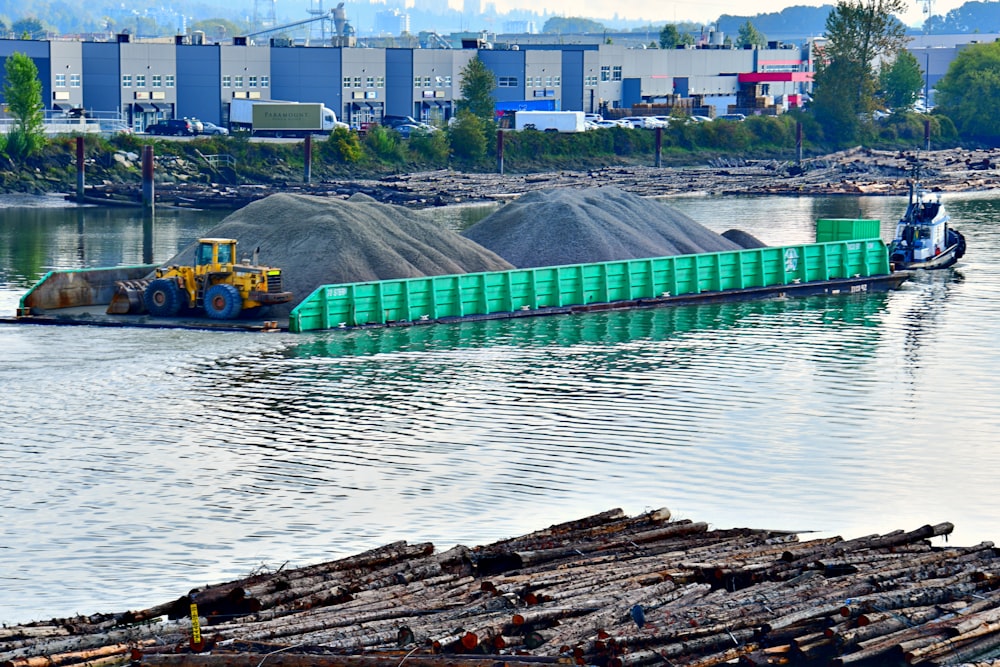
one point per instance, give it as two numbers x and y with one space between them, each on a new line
538 82
140 80
357 82
74 80
347 82
157 81
557 81
369 82
60 80
616 73
447 81
548 82
591 80
227 81
265 82
605 73
416 81
126 80
380 82
170 80
507 82
237 82
427 82
251 82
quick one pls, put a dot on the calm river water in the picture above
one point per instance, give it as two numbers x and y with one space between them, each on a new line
137 464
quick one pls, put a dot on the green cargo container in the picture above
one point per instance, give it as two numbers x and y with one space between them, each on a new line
846 229
736 274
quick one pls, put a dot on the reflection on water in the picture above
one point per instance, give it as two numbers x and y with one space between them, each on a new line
137 464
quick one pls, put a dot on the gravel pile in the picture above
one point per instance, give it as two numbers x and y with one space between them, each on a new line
321 241
572 226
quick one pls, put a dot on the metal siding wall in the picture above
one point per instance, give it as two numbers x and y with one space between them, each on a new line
101 77
572 82
198 83
38 51
506 63
399 82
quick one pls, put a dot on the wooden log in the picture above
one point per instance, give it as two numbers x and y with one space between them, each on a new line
946 645
85 655
288 659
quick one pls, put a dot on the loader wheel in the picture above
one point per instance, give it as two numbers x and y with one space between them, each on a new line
223 302
162 298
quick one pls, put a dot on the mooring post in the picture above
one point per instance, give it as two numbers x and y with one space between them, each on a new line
148 195
80 180
798 143
500 152
307 177
659 147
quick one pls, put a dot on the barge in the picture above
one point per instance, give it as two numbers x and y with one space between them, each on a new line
848 257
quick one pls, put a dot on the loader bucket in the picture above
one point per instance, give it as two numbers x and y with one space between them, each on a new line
127 299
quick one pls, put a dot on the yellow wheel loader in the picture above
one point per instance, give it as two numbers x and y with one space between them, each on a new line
217 284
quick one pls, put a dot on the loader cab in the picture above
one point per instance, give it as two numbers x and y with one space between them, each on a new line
215 252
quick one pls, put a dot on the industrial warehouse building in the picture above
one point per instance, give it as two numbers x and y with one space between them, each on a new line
143 81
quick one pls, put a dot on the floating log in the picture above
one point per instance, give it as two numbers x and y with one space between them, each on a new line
607 590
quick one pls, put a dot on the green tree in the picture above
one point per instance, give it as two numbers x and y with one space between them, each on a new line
750 36
670 37
468 136
968 91
477 85
22 93
900 83
844 86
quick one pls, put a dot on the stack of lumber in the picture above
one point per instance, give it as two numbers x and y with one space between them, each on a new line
609 590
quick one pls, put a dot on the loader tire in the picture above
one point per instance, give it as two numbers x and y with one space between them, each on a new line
223 302
162 298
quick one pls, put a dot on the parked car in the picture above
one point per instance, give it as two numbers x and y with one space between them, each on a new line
196 125
593 117
635 122
732 116
605 123
212 128
177 127
699 119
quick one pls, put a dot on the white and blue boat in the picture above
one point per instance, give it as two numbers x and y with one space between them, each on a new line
924 239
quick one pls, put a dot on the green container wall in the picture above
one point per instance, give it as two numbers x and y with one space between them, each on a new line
846 229
430 298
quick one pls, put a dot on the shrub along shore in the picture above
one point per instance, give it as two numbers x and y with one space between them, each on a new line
756 156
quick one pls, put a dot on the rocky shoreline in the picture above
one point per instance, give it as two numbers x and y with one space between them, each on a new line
857 171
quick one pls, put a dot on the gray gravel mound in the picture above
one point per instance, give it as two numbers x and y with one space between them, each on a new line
743 239
321 241
573 226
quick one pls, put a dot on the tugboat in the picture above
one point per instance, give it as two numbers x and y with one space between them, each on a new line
923 238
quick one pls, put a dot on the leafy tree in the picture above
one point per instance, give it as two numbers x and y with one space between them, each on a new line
900 82
342 145
968 92
750 36
468 136
22 92
844 86
477 85
670 37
